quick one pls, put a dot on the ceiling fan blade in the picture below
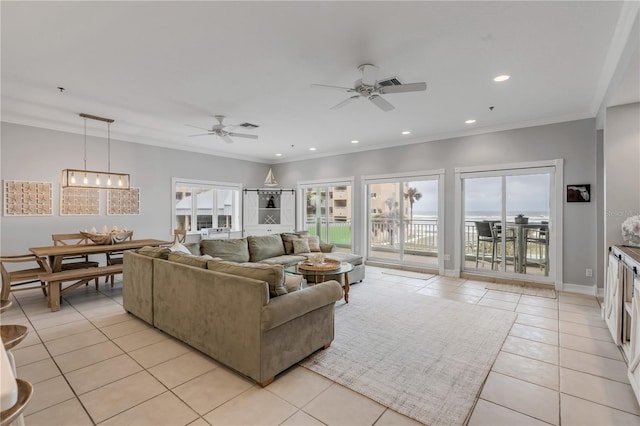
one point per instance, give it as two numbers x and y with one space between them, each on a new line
196 127
202 134
345 102
381 103
226 138
242 135
409 87
369 74
321 86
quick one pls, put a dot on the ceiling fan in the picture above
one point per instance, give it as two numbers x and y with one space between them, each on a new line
223 130
369 87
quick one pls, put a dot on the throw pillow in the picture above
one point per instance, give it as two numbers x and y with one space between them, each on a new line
177 247
314 243
194 248
159 252
287 242
300 246
272 274
292 282
191 260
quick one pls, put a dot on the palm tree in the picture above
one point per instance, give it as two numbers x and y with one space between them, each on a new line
412 195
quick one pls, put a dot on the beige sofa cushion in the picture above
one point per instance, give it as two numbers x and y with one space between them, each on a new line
194 248
287 238
272 274
314 243
300 245
234 250
159 252
189 259
264 246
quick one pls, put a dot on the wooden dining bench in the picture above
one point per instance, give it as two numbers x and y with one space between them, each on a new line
54 281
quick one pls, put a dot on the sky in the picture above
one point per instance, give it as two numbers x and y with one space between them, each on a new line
525 194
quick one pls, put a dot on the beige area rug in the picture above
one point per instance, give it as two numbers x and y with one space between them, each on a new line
523 289
422 356
409 274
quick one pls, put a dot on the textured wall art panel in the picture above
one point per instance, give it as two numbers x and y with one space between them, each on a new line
123 202
79 201
24 198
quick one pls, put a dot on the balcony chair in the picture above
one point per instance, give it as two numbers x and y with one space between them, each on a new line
488 232
76 261
15 278
115 258
537 241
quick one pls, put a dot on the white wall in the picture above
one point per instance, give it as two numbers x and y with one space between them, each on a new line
35 154
575 142
621 168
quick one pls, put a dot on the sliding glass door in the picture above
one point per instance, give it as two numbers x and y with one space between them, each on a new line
404 220
507 226
327 212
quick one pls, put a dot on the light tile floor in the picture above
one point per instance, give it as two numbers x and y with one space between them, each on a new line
92 363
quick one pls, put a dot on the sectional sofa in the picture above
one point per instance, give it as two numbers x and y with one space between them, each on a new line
247 317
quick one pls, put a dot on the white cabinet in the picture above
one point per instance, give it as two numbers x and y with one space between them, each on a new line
621 308
613 299
268 211
634 355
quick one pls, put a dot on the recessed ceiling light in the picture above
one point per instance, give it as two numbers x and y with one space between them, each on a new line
312 149
406 132
503 77
470 121
278 155
355 141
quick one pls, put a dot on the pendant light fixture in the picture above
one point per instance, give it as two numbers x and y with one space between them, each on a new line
74 178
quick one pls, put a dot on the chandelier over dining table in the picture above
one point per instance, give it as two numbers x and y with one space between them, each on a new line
78 178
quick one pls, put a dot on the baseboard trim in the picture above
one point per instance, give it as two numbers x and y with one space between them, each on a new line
590 290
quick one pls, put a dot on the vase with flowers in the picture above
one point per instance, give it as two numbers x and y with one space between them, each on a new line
631 231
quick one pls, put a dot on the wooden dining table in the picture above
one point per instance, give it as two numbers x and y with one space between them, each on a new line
55 254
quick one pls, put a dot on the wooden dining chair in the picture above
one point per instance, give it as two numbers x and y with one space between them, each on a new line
179 236
75 261
13 278
116 258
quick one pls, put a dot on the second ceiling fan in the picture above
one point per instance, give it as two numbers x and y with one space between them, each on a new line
369 87
223 130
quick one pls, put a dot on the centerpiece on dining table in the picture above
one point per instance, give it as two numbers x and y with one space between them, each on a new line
319 263
106 237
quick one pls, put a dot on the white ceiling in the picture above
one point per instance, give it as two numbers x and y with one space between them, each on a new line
156 66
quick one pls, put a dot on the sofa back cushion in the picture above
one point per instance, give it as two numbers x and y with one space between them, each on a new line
233 250
264 246
189 259
272 274
194 248
159 252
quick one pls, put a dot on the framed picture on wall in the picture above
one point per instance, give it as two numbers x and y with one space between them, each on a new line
579 193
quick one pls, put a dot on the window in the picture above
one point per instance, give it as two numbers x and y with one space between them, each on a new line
327 211
405 223
201 204
507 219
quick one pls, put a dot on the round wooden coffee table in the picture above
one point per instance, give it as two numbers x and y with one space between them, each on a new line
308 272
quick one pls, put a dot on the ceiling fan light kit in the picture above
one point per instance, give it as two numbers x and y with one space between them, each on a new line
369 87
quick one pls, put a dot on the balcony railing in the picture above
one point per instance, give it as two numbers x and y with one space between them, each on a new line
421 237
